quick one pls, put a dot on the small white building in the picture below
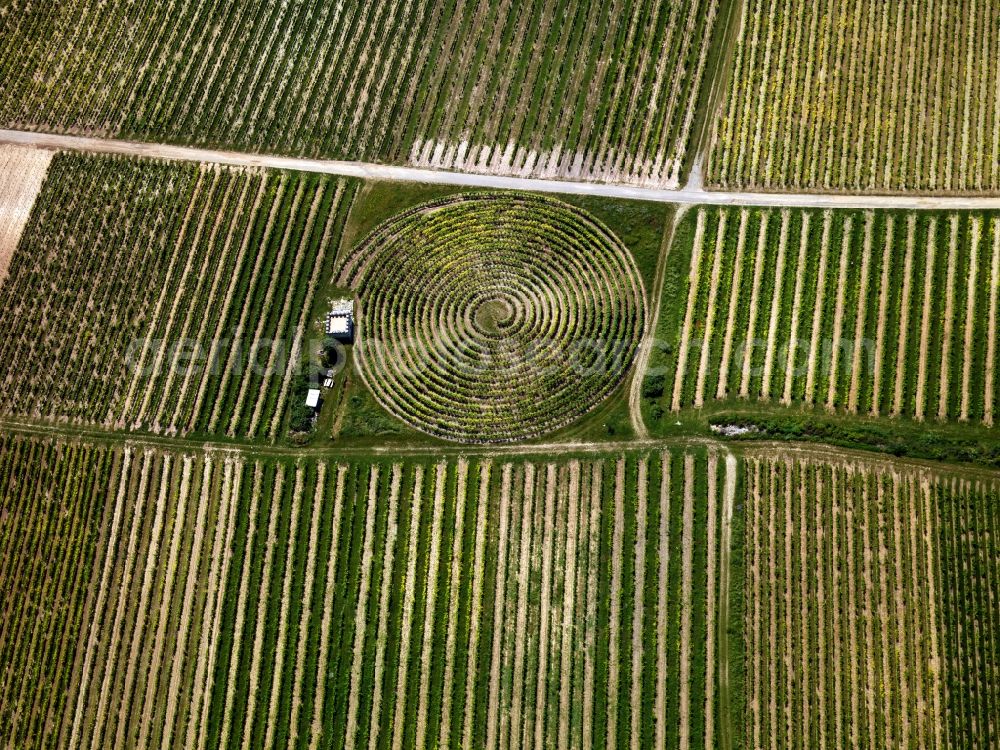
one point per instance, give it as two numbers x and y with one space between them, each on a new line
312 398
340 320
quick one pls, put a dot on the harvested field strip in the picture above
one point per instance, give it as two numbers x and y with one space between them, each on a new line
864 316
915 107
172 299
22 172
883 632
264 594
482 88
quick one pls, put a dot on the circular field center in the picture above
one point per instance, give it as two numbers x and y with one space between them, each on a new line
494 318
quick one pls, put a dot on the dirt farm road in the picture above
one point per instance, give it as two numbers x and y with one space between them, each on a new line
688 195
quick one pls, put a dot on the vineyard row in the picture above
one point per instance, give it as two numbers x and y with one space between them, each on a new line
235 603
861 96
164 297
870 617
870 313
587 90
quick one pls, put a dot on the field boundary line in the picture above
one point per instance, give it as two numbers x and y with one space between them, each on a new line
371 171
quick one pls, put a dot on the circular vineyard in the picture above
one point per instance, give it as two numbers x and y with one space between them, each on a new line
494 318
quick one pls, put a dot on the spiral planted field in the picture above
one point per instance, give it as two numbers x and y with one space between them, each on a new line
494 318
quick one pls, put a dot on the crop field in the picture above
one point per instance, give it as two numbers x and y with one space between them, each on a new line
21 174
587 90
916 105
494 317
164 297
224 601
862 313
53 507
871 616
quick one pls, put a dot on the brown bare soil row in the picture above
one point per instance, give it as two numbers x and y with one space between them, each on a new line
569 606
817 319
472 668
409 602
361 611
772 326
711 604
663 580
639 593
498 607
925 323
860 320
154 672
727 346
461 496
717 258
758 273
883 312
687 556
187 606
693 280
904 313
263 594
991 340
590 637
838 314
388 561
616 603
949 318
